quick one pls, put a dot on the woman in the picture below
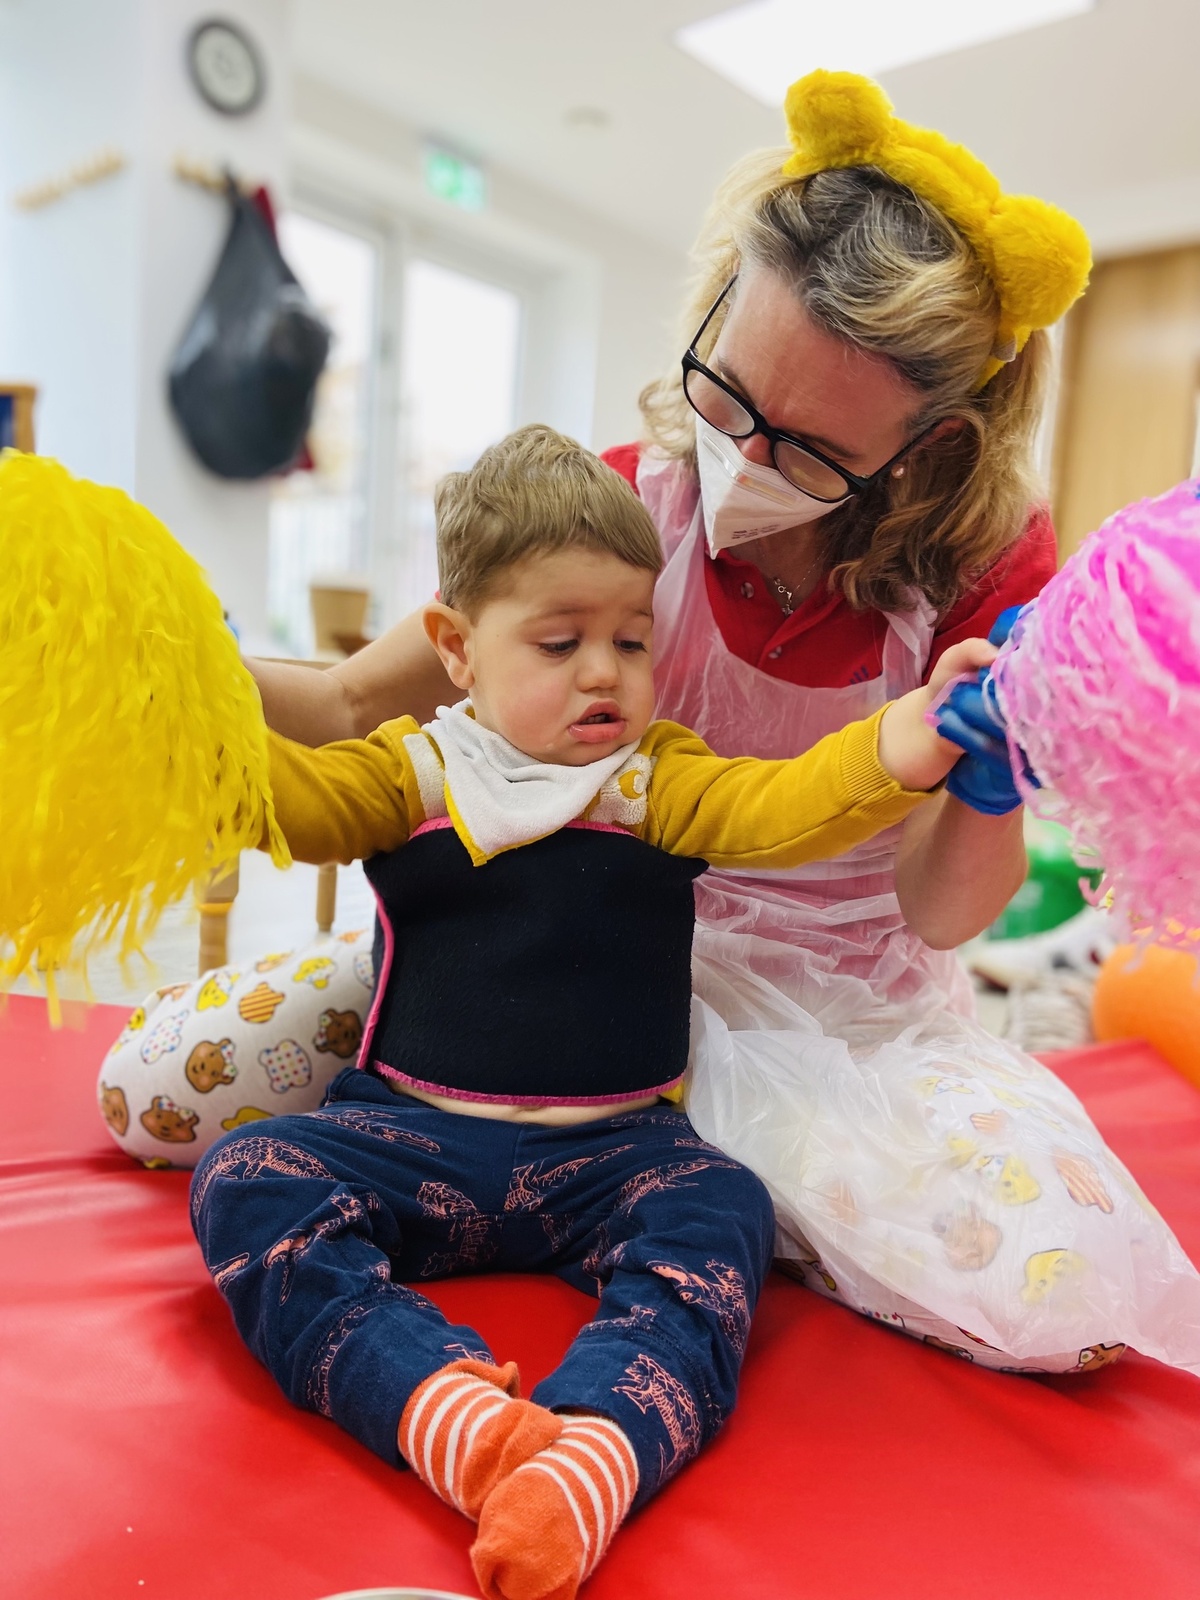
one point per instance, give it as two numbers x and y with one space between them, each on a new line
842 475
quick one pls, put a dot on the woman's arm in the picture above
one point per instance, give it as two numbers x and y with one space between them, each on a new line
956 870
398 674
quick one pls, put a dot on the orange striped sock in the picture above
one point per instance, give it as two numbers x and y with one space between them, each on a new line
544 1527
464 1429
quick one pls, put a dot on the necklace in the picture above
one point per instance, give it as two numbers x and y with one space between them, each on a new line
786 599
786 596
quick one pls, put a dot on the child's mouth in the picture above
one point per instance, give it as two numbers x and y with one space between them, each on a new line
600 725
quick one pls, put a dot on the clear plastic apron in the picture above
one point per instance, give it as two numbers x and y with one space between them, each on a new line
923 1172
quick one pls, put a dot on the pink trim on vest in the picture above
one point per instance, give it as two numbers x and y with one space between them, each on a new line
429 826
524 1099
381 977
580 822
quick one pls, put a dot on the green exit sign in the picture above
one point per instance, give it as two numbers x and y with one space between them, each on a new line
454 178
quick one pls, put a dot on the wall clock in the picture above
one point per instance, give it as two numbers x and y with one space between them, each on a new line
225 66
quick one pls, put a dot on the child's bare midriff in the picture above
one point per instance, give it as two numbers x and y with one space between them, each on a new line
550 1116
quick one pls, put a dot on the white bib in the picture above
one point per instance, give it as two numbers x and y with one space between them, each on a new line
497 796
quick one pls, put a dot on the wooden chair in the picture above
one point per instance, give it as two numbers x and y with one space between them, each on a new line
215 896
216 893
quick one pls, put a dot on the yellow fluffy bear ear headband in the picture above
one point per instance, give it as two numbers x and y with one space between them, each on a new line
1037 257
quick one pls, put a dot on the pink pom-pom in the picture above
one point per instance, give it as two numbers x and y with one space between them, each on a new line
1100 687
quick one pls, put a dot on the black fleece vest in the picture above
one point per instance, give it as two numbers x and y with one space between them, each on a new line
558 971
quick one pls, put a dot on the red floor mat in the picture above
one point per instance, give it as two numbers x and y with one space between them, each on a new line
145 1454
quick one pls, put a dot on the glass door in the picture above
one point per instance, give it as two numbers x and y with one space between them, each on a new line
460 350
320 515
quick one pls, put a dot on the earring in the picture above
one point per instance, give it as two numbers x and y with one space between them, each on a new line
898 472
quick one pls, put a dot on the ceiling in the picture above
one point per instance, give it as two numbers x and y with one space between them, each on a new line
1099 113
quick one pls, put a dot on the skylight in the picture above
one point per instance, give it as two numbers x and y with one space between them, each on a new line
765 45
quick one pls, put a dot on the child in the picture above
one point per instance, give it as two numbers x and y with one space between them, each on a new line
531 1015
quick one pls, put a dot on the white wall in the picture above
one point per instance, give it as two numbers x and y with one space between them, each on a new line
67 273
224 524
96 288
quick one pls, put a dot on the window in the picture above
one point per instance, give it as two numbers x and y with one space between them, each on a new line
460 348
320 517
384 434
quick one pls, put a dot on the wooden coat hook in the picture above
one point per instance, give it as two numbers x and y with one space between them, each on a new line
104 164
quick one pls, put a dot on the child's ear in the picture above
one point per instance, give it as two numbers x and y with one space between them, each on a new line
449 632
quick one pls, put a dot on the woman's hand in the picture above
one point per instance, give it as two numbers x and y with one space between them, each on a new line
909 749
971 718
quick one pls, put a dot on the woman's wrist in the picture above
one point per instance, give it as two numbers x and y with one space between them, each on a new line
957 869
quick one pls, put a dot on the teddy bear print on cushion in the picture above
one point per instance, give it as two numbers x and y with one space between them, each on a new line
239 1044
339 1033
288 1065
210 1064
165 1120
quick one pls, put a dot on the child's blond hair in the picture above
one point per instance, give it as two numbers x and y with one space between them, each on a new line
534 493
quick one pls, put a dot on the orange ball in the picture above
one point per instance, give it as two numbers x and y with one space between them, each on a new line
1152 994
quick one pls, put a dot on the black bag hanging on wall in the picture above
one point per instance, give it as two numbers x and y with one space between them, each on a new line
243 379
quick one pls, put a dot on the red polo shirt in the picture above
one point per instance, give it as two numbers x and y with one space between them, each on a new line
825 644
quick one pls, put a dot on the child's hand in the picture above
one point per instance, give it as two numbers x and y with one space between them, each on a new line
960 661
909 749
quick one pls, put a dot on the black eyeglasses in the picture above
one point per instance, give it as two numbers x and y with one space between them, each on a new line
723 408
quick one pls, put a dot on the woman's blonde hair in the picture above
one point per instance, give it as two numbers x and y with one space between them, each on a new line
874 264
534 493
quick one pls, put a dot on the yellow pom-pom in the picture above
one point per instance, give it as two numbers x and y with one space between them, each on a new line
1040 259
133 741
834 119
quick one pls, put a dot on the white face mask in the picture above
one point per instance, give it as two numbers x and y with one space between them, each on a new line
742 500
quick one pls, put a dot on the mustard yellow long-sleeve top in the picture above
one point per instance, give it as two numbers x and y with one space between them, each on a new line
434 1032
352 799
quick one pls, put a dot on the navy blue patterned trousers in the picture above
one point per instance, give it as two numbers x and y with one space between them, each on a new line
315 1226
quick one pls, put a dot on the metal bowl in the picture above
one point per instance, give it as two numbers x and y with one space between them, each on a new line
397 1594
